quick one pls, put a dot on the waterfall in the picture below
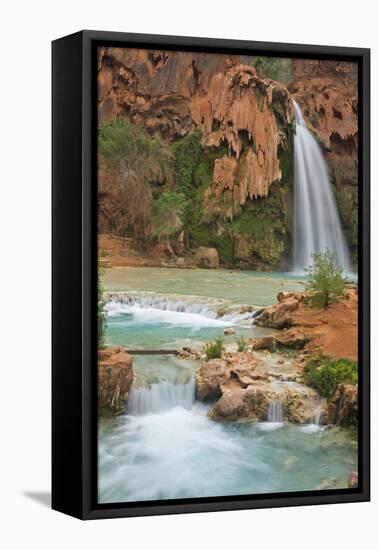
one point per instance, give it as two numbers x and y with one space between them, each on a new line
314 421
275 412
317 226
179 310
318 411
161 397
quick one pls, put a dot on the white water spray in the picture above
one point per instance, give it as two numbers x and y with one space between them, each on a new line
317 225
179 310
161 397
275 412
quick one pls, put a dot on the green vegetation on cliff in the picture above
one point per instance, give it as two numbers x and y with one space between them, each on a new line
165 188
168 210
276 68
325 374
140 161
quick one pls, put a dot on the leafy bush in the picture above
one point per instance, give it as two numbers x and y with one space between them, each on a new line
213 350
101 316
140 161
168 210
241 344
326 282
324 374
186 155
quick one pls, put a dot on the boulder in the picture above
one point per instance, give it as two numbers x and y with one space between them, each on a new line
229 331
209 378
279 316
252 403
241 385
293 338
115 376
301 403
233 369
207 257
266 343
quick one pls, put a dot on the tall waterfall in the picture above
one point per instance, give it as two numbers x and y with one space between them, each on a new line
317 225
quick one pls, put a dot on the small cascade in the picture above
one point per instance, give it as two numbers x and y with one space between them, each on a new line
317 415
177 309
317 225
275 412
314 423
161 397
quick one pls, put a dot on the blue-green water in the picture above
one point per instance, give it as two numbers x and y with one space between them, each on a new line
165 446
241 287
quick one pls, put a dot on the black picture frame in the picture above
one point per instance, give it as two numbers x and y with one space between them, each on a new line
74 273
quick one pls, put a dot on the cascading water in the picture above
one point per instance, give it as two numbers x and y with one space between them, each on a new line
179 310
317 226
275 417
161 397
275 412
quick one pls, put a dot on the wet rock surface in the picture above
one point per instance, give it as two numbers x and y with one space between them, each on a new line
343 406
245 386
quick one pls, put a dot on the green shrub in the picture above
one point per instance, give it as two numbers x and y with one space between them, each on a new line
168 210
241 344
314 118
324 374
140 161
213 350
186 155
326 283
101 316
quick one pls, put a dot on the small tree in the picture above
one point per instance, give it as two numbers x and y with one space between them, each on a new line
326 281
168 212
101 316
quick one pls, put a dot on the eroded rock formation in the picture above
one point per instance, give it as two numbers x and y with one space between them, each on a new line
115 376
174 93
244 390
343 406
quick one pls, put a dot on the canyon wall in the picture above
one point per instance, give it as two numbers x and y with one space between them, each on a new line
243 182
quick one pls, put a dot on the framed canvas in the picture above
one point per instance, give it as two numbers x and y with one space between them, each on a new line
210 275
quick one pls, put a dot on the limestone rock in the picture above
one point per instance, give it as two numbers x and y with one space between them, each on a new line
279 316
206 257
115 376
343 406
236 369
